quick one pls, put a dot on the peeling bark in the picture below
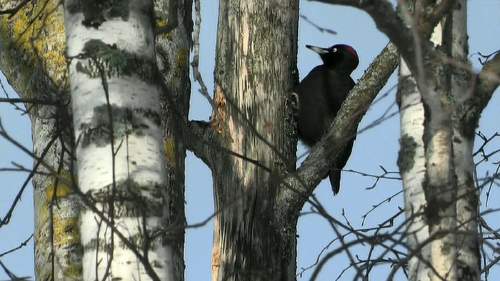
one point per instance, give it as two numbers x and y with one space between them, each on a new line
255 72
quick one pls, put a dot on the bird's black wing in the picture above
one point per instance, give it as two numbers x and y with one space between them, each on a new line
313 106
321 93
338 86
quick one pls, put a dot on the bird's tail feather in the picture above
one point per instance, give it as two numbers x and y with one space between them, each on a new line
334 176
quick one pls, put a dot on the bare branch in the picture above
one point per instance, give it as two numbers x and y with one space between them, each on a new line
200 139
488 81
25 101
387 21
391 24
318 27
21 245
196 54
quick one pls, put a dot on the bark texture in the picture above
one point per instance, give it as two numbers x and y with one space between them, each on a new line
32 49
462 89
120 155
32 44
411 162
440 185
255 74
173 41
451 199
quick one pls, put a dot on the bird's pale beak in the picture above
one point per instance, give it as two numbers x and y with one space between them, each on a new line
318 50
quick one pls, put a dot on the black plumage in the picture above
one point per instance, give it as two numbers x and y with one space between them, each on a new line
320 95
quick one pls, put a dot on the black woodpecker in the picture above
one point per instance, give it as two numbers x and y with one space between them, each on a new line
320 95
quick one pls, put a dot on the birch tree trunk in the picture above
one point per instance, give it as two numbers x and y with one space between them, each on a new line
120 155
468 256
451 208
35 37
255 73
412 165
411 162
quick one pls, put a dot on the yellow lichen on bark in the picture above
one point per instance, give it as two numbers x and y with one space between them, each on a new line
169 146
161 24
65 231
36 32
58 228
181 60
60 187
66 234
60 191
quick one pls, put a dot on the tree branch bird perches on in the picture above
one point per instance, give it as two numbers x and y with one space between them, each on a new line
320 95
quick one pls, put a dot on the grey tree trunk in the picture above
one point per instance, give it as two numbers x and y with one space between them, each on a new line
462 89
173 41
32 44
255 74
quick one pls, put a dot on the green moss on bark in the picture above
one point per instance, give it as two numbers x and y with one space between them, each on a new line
126 122
114 62
406 157
96 12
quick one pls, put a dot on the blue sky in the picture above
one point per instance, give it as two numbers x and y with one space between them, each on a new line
374 147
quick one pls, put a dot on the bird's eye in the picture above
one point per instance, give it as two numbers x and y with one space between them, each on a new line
334 50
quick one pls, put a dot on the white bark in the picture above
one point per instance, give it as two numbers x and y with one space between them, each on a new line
412 165
431 212
468 258
440 184
112 74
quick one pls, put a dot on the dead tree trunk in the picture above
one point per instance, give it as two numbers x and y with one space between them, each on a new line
255 73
